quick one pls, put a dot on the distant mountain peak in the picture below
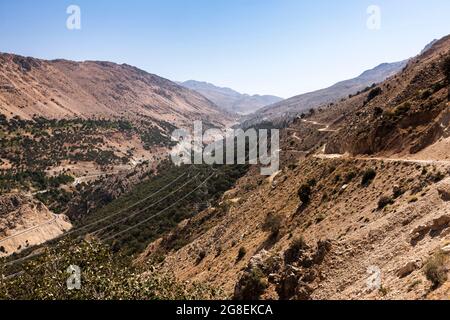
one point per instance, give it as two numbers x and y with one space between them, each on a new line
230 100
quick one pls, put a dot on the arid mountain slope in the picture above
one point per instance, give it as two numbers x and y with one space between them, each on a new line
359 208
231 100
25 222
403 115
61 89
293 106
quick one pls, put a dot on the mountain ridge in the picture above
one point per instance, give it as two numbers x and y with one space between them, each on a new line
291 107
62 88
230 100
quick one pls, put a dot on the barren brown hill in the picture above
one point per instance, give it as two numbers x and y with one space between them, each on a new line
92 89
25 222
359 209
229 99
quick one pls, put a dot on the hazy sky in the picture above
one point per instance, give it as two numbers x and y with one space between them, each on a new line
281 47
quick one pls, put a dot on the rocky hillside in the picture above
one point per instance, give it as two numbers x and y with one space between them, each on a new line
25 222
406 113
359 209
231 100
66 89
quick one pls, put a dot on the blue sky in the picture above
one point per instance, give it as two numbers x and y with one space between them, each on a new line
281 47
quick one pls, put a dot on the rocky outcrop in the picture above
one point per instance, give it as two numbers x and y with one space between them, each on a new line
443 188
294 277
434 225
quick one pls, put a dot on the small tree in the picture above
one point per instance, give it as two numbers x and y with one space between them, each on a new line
368 177
384 201
373 94
251 286
241 254
273 224
304 193
435 270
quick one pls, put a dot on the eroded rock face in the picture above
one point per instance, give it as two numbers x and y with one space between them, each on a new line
434 225
293 274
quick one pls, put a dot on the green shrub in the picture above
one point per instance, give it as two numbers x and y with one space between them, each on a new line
377 111
402 109
373 94
293 252
384 201
104 276
368 177
435 269
349 176
251 286
241 253
398 191
273 224
304 193
426 94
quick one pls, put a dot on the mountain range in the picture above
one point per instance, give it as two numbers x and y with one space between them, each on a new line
289 108
67 89
229 99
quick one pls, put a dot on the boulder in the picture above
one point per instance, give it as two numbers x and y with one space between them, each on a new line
443 188
446 249
409 268
431 226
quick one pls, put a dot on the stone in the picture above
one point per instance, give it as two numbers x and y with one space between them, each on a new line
431 226
409 268
446 249
443 188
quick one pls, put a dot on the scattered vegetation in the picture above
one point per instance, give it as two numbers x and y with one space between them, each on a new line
241 253
436 270
402 109
201 256
252 284
362 91
31 147
104 276
190 192
373 94
368 176
384 201
304 193
377 111
293 252
273 223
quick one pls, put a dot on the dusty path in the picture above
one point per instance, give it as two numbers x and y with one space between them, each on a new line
326 127
384 159
92 177
418 161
